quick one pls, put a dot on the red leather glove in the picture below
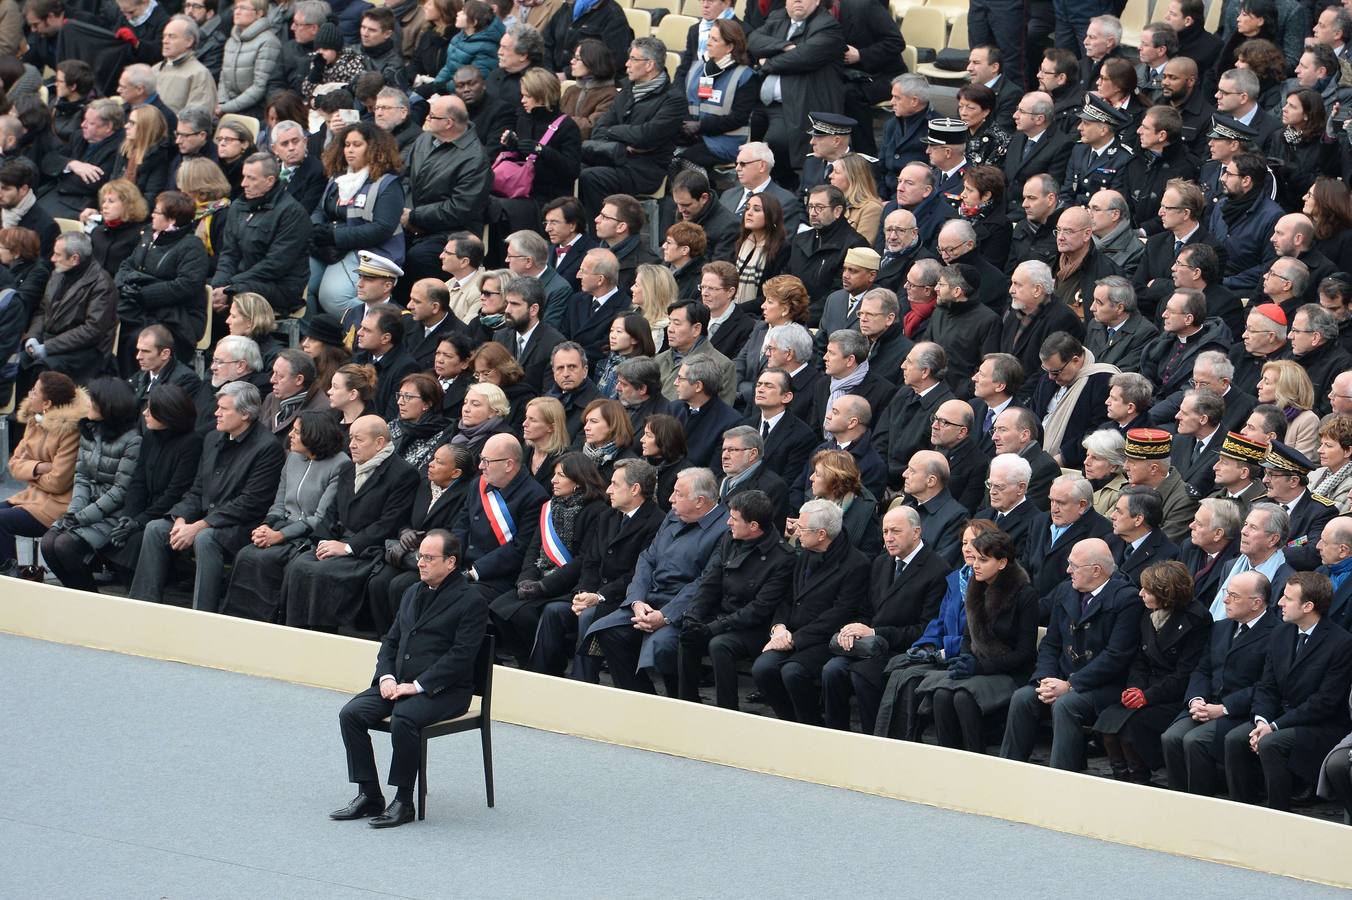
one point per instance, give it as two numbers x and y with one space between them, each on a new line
1133 698
126 35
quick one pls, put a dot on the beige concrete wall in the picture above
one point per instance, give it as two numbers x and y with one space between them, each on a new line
1077 804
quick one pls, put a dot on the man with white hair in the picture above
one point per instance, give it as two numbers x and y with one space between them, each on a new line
1015 431
136 87
1212 544
1071 518
906 583
391 112
527 257
1082 661
1007 486
1036 147
1114 236
1034 313
918 192
957 245
904 133
755 160
789 347
235 358
642 634
828 579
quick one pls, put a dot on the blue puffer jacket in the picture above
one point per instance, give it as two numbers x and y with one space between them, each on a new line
478 49
945 630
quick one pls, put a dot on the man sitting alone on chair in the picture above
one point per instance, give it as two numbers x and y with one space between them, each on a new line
424 674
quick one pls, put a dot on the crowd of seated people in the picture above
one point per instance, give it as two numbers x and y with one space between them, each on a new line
714 388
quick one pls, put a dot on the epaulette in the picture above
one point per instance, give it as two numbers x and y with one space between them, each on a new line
1320 498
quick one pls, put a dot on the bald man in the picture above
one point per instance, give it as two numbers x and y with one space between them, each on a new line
1181 88
1335 556
1082 661
901 248
925 489
501 517
431 319
1036 148
324 588
951 433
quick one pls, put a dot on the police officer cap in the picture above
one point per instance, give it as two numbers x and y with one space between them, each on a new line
824 124
1096 109
944 132
1228 128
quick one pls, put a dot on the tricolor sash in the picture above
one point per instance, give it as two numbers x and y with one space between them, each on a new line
549 538
496 510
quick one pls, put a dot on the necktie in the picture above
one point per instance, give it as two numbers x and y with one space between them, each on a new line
765 429
596 307
853 309
898 569
794 28
520 347
1057 531
990 422
1300 642
741 207
999 517
1178 245
1197 448
1112 336
1243 627
1084 603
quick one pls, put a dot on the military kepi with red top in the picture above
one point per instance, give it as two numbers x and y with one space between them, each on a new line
1149 443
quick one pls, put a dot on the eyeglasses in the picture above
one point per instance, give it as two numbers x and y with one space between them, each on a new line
187 134
429 557
1224 93
912 286
403 395
953 248
490 293
1067 232
442 118
486 461
736 449
222 362
935 420
227 139
1275 275
1173 208
818 207
739 164
897 229
996 486
385 107
1075 567
1054 373
607 218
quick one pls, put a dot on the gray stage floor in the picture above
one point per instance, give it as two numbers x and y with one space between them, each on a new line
134 778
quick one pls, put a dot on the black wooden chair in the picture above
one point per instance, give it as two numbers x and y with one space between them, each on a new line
477 716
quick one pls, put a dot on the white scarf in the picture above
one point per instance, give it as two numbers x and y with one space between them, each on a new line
349 184
364 470
9 218
1055 428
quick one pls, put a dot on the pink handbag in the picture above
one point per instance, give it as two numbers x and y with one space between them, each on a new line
515 178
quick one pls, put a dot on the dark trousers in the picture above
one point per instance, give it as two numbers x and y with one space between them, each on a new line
1248 773
554 638
725 651
422 259
1001 22
407 718
789 680
621 647
863 678
1192 753
1338 774
1069 714
1072 21
66 554
957 720
383 593
774 130
16 521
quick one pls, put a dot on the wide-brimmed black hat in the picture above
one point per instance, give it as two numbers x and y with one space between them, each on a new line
324 328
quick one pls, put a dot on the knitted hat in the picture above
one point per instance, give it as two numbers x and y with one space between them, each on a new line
329 38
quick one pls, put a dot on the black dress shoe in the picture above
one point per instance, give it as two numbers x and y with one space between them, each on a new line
397 813
362 805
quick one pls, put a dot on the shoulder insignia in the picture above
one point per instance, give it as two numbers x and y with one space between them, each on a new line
1192 491
1320 498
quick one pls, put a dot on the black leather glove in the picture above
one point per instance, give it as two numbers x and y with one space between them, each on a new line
122 532
529 590
923 656
322 235
694 634
409 539
963 667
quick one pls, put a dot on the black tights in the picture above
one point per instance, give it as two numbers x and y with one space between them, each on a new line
66 554
957 720
1338 770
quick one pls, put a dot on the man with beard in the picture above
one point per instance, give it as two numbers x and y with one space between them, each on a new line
901 250
966 329
1180 87
1244 219
817 255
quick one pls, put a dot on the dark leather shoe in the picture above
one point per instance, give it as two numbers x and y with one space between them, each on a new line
396 814
362 805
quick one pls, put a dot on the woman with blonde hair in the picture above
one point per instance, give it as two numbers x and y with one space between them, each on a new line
1285 384
654 290
1333 479
544 431
251 316
117 223
493 365
786 301
203 181
853 176
143 158
483 415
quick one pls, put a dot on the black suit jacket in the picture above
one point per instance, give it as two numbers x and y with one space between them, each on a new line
1308 519
941 521
968 466
767 480
1044 561
392 368
904 427
1023 337
788 446
364 519
424 348
876 389
729 337
174 372
235 484
1015 523
307 184
435 640
1155 548
1196 471
1088 415
1229 670
1049 156
898 609
1155 263
826 591
1045 471
608 559
536 358
1307 690
742 584
793 208
497 565
804 383
1092 648
704 431
1124 350
592 329
1205 584
567 266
